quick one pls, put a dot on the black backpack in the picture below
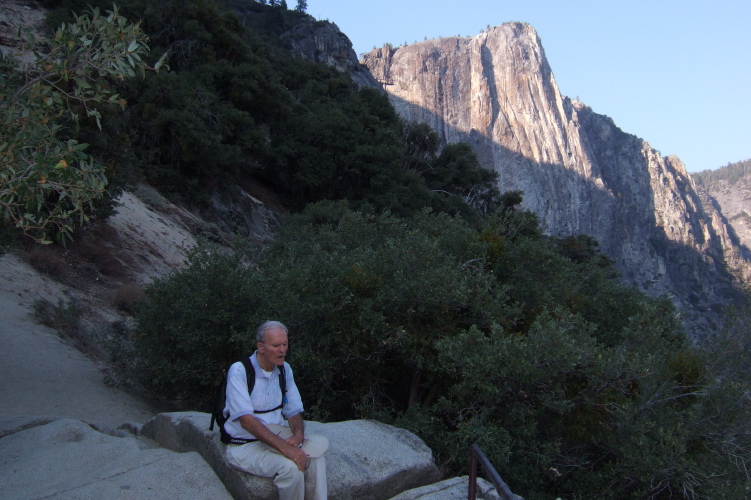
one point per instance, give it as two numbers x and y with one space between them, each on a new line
220 400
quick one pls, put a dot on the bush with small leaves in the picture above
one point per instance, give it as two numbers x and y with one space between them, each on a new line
48 184
523 343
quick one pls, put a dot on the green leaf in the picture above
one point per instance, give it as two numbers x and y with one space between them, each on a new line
81 82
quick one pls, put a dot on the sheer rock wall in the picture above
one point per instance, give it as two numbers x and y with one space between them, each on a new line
730 204
579 172
321 41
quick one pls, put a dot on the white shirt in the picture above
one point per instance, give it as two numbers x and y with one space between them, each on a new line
266 395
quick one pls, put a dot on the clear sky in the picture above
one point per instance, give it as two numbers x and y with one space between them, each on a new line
675 73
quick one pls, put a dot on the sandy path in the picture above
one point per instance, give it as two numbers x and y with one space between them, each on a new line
42 374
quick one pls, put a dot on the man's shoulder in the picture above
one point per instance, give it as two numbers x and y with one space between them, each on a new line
238 367
287 369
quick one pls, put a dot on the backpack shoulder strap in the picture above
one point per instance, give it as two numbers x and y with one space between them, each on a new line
217 414
283 383
250 373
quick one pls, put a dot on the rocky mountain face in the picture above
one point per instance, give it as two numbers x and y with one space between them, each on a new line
579 172
733 201
321 41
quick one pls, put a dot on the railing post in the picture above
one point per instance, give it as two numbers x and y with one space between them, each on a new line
476 455
472 495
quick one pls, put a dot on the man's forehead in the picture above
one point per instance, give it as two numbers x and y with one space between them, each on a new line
275 334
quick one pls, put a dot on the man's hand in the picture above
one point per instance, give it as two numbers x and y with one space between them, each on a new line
296 455
289 447
297 426
295 441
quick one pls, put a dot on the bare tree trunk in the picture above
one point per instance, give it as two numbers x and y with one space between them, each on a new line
414 389
432 395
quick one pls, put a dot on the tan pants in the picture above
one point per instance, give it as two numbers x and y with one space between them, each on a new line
293 484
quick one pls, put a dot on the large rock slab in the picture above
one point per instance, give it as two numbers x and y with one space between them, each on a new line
321 41
67 459
455 488
189 431
371 461
367 460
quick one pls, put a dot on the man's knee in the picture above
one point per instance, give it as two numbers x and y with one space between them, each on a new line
291 472
290 481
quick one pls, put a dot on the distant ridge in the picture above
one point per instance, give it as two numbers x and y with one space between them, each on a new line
731 173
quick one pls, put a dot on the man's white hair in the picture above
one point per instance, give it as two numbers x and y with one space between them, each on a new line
261 330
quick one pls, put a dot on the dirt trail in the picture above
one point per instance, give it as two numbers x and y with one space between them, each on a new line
42 374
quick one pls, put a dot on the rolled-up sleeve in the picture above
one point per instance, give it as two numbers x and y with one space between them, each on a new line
294 401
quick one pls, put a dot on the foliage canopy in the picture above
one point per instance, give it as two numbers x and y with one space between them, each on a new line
46 183
730 173
237 105
526 344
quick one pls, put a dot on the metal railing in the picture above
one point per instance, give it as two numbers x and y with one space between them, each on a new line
475 455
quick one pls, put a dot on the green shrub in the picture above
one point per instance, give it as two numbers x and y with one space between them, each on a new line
49 183
193 325
525 344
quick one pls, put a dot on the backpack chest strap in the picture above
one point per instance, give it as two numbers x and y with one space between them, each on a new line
250 372
269 411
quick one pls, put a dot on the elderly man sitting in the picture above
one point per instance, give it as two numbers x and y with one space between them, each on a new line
272 446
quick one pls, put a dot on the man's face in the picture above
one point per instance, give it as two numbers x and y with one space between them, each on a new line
274 345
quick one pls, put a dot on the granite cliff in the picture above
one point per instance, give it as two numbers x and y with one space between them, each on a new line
728 190
321 41
579 172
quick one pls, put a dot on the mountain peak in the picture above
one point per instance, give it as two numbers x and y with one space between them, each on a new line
579 172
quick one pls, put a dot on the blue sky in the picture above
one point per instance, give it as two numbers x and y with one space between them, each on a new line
675 73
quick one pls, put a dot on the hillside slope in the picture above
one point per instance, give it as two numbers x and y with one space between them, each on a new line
76 291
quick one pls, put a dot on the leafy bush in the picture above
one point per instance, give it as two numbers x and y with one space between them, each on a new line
369 296
47 185
193 325
525 344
